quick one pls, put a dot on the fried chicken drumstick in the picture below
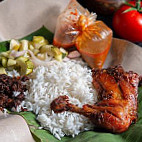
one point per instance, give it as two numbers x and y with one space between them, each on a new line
117 95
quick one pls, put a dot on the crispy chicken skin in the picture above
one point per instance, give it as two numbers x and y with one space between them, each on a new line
116 108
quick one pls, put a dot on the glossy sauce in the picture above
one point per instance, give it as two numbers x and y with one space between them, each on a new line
94 46
95 60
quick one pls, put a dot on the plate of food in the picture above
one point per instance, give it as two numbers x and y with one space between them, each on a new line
68 92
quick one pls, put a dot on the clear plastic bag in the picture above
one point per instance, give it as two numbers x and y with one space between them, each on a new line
66 27
76 26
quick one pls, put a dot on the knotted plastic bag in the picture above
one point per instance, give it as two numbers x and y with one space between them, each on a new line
78 27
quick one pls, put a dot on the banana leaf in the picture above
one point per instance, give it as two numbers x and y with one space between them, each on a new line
133 134
4 46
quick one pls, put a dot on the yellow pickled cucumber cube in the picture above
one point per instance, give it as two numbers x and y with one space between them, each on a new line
24 59
28 71
29 64
35 51
11 62
46 49
4 62
26 66
2 70
5 54
23 66
31 47
56 50
53 51
64 52
58 57
24 45
15 44
39 41
57 53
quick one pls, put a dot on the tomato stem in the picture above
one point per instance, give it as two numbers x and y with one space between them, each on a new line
132 7
138 5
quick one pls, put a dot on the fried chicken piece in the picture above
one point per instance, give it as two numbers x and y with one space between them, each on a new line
117 95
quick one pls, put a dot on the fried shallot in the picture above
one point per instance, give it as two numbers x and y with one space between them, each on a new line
11 91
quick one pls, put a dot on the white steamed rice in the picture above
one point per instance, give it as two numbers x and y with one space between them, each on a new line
71 78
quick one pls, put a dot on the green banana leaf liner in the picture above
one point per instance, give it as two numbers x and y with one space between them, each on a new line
133 134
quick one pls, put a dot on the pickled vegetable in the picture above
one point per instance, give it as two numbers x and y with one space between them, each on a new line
2 70
14 44
21 53
39 41
26 66
4 62
39 46
11 62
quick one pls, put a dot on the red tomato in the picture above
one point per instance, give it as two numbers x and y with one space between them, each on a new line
128 25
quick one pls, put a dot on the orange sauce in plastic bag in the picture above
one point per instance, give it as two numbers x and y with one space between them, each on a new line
76 26
62 39
93 41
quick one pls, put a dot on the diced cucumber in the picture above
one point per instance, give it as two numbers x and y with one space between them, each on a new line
14 44
2 70
11 62
23 66
29 64
28 71
64 53
35 51
39 41
4 62
24 59
31 47
24 45
46 49
57 53
5 54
